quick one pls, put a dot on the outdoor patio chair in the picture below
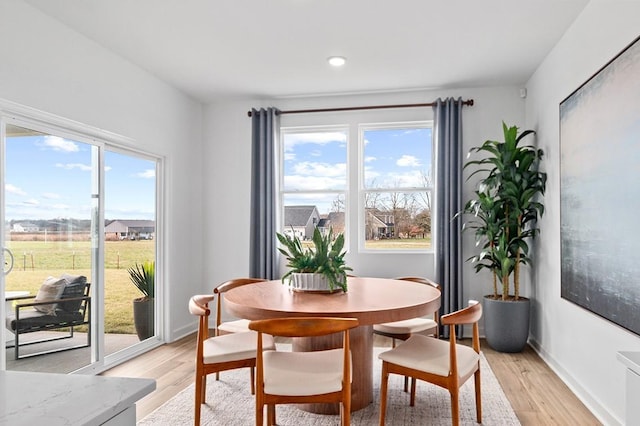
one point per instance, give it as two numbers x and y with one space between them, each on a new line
70 307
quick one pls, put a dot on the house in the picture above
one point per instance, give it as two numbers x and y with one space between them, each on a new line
24 227
300 221
60 65
379 224
130 229
334 221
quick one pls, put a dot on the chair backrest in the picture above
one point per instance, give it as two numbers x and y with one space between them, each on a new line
226 286
199 306
303 326
75 298
469 315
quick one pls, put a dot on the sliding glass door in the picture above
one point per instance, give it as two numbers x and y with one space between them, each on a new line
75 210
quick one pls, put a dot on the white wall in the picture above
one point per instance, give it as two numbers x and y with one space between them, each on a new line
579 345
48 67
227 135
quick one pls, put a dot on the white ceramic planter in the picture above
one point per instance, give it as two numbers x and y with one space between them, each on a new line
310 282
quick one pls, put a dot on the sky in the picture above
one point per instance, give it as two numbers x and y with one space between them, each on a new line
392 158
49 177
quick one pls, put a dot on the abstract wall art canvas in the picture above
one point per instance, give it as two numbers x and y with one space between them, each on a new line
600 192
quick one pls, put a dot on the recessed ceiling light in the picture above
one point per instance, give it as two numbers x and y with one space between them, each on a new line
337 61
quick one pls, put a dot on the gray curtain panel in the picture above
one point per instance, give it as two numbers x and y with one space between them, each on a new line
447 131
263 253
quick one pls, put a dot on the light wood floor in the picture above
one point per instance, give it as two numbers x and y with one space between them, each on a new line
537 395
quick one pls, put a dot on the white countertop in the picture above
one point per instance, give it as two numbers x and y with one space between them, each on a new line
66 399
631 360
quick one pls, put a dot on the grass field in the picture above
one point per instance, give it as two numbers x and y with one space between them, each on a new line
400 243
36 260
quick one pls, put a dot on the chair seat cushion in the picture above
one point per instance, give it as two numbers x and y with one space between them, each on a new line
431 356
413 325
303 373
238 326
30 319
234 347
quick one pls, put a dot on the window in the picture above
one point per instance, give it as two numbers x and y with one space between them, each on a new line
313 180
389 194
396 186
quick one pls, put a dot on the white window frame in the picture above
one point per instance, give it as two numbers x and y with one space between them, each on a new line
354 192
280 170
362 191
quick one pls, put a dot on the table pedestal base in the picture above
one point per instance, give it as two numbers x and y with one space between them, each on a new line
361 341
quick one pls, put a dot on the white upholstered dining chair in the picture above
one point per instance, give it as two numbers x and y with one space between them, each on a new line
447 364
322 376
220 353
401 330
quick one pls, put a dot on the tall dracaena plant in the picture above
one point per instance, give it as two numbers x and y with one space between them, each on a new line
505 206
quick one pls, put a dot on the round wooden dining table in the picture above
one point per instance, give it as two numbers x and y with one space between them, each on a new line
370 300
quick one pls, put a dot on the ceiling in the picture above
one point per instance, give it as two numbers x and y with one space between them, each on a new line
279 48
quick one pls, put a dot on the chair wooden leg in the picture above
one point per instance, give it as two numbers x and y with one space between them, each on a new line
259 413
406 383
253 381
345 408
217 375
198 400
271 415
478 397
203 398
384 379
412 398
455 408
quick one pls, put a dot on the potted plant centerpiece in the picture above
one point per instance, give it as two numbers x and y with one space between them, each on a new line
505 210
319 269
143 277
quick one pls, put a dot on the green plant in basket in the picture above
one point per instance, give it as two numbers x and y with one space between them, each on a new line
326 257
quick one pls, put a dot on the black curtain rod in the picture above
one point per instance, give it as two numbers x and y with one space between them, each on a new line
468 102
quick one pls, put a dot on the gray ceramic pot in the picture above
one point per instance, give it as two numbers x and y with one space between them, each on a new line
506 323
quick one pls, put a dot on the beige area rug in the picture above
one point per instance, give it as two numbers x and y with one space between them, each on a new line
229 402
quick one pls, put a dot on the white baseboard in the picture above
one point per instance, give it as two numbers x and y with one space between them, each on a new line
593 405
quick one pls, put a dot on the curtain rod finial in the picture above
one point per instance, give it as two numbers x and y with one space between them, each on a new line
248 113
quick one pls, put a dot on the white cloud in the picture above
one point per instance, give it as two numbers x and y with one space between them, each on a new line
307 168
321 138
408 161
50 195
147 174
71 166
60 206
57 143
31 202
308 183
289 156
369 159
412 179
12 189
